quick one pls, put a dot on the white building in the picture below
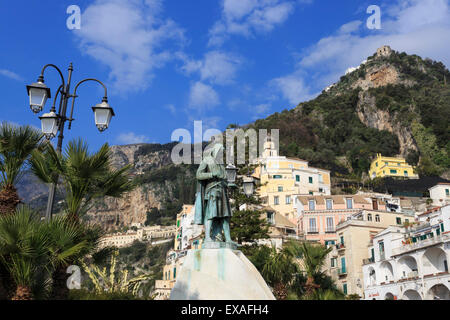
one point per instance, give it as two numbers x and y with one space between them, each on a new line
440 194
411 263
186 229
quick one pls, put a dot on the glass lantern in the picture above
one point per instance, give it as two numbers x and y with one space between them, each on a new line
38 93
49 125
248 185
103 114
231 174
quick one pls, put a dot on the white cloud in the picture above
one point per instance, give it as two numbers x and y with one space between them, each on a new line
128 37
216 67
171 108
202 96
419 27
293 88
10 74
131 138
247 17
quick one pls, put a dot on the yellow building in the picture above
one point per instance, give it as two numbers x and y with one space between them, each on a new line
391 167
284 178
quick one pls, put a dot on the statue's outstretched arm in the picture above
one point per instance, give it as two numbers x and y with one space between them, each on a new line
202 174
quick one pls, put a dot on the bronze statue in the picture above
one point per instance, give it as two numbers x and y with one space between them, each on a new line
212 206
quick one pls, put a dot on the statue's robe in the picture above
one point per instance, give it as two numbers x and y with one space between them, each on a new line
211 199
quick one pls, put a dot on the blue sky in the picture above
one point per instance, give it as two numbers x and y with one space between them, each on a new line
169 62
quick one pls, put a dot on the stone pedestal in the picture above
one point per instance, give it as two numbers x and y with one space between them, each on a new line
219 274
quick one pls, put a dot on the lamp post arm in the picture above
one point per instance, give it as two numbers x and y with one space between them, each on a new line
41 76
53 109
74 96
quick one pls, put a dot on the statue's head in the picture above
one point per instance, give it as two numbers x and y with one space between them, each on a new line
215 152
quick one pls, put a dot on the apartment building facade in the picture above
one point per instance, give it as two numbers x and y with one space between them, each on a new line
440 194
411 263
282 178
318 216
391 167
345 261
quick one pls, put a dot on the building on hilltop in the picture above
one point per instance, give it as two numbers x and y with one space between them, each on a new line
384 51
391 167
411 263
282 178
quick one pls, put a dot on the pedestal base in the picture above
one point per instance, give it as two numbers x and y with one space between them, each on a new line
219 274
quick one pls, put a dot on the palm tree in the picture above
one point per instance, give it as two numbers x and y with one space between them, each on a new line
16 146
36 253
85 176
312 260
280 269
23 252
68 243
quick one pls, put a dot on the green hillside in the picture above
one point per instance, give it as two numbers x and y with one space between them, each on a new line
328 130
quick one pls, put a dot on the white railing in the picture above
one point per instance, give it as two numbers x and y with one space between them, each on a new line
420 244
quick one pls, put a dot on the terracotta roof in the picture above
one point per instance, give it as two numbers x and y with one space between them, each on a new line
338 199
429 211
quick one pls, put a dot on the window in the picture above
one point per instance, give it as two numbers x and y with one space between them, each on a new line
311 193
369 217
288 199
399 220
330 224
349 203
393 171
270 217
280 188
377 218
344 269
276 200
333 262
297 178
447 192
405 173
320 178
342 239
277 176
321 190
344 288
310 179
329 204
312 225
174 273
376 164
381 247
312 205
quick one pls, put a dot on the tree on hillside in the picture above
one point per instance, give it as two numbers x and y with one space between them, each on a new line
16 146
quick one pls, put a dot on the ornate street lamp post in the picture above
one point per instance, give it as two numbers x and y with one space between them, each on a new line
54 122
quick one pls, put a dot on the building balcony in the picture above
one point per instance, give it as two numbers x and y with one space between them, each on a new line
340 246
368 261
330 230
313 231
342 272
421 244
